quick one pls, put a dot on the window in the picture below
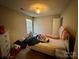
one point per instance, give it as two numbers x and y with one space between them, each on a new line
29 25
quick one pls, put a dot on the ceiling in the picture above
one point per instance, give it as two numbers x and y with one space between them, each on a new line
48 7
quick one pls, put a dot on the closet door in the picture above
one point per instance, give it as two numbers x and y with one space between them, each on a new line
55 26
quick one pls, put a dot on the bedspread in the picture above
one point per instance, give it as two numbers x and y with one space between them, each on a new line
49 48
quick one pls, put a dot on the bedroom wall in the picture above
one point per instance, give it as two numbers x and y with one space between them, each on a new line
14 22
70 17
43 25
75 54
70 20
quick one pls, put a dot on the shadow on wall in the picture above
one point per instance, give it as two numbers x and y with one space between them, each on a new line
71 43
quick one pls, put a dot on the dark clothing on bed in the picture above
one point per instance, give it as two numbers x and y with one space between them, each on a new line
31 41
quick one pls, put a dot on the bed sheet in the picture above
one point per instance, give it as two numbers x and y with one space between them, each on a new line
49 48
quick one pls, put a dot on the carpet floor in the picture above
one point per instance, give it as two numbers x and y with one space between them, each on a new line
31 54
37 55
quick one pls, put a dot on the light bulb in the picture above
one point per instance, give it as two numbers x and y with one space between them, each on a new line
37 11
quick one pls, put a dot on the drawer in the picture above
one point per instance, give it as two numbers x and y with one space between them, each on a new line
5 50
6 45
4 42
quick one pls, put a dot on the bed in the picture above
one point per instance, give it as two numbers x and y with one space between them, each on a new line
54 46
50 47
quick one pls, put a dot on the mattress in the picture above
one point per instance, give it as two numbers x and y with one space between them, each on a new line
49 48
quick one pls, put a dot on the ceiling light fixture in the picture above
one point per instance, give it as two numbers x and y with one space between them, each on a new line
37 10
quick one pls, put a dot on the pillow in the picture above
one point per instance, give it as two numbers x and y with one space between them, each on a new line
51 36
42 38
65 35
61 29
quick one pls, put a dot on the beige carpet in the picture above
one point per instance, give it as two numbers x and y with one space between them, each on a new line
37 55
31 54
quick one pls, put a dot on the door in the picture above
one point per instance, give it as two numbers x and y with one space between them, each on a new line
55 26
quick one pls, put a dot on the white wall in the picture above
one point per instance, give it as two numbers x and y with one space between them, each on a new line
70 17
43 25
70 20
14 22
75 54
